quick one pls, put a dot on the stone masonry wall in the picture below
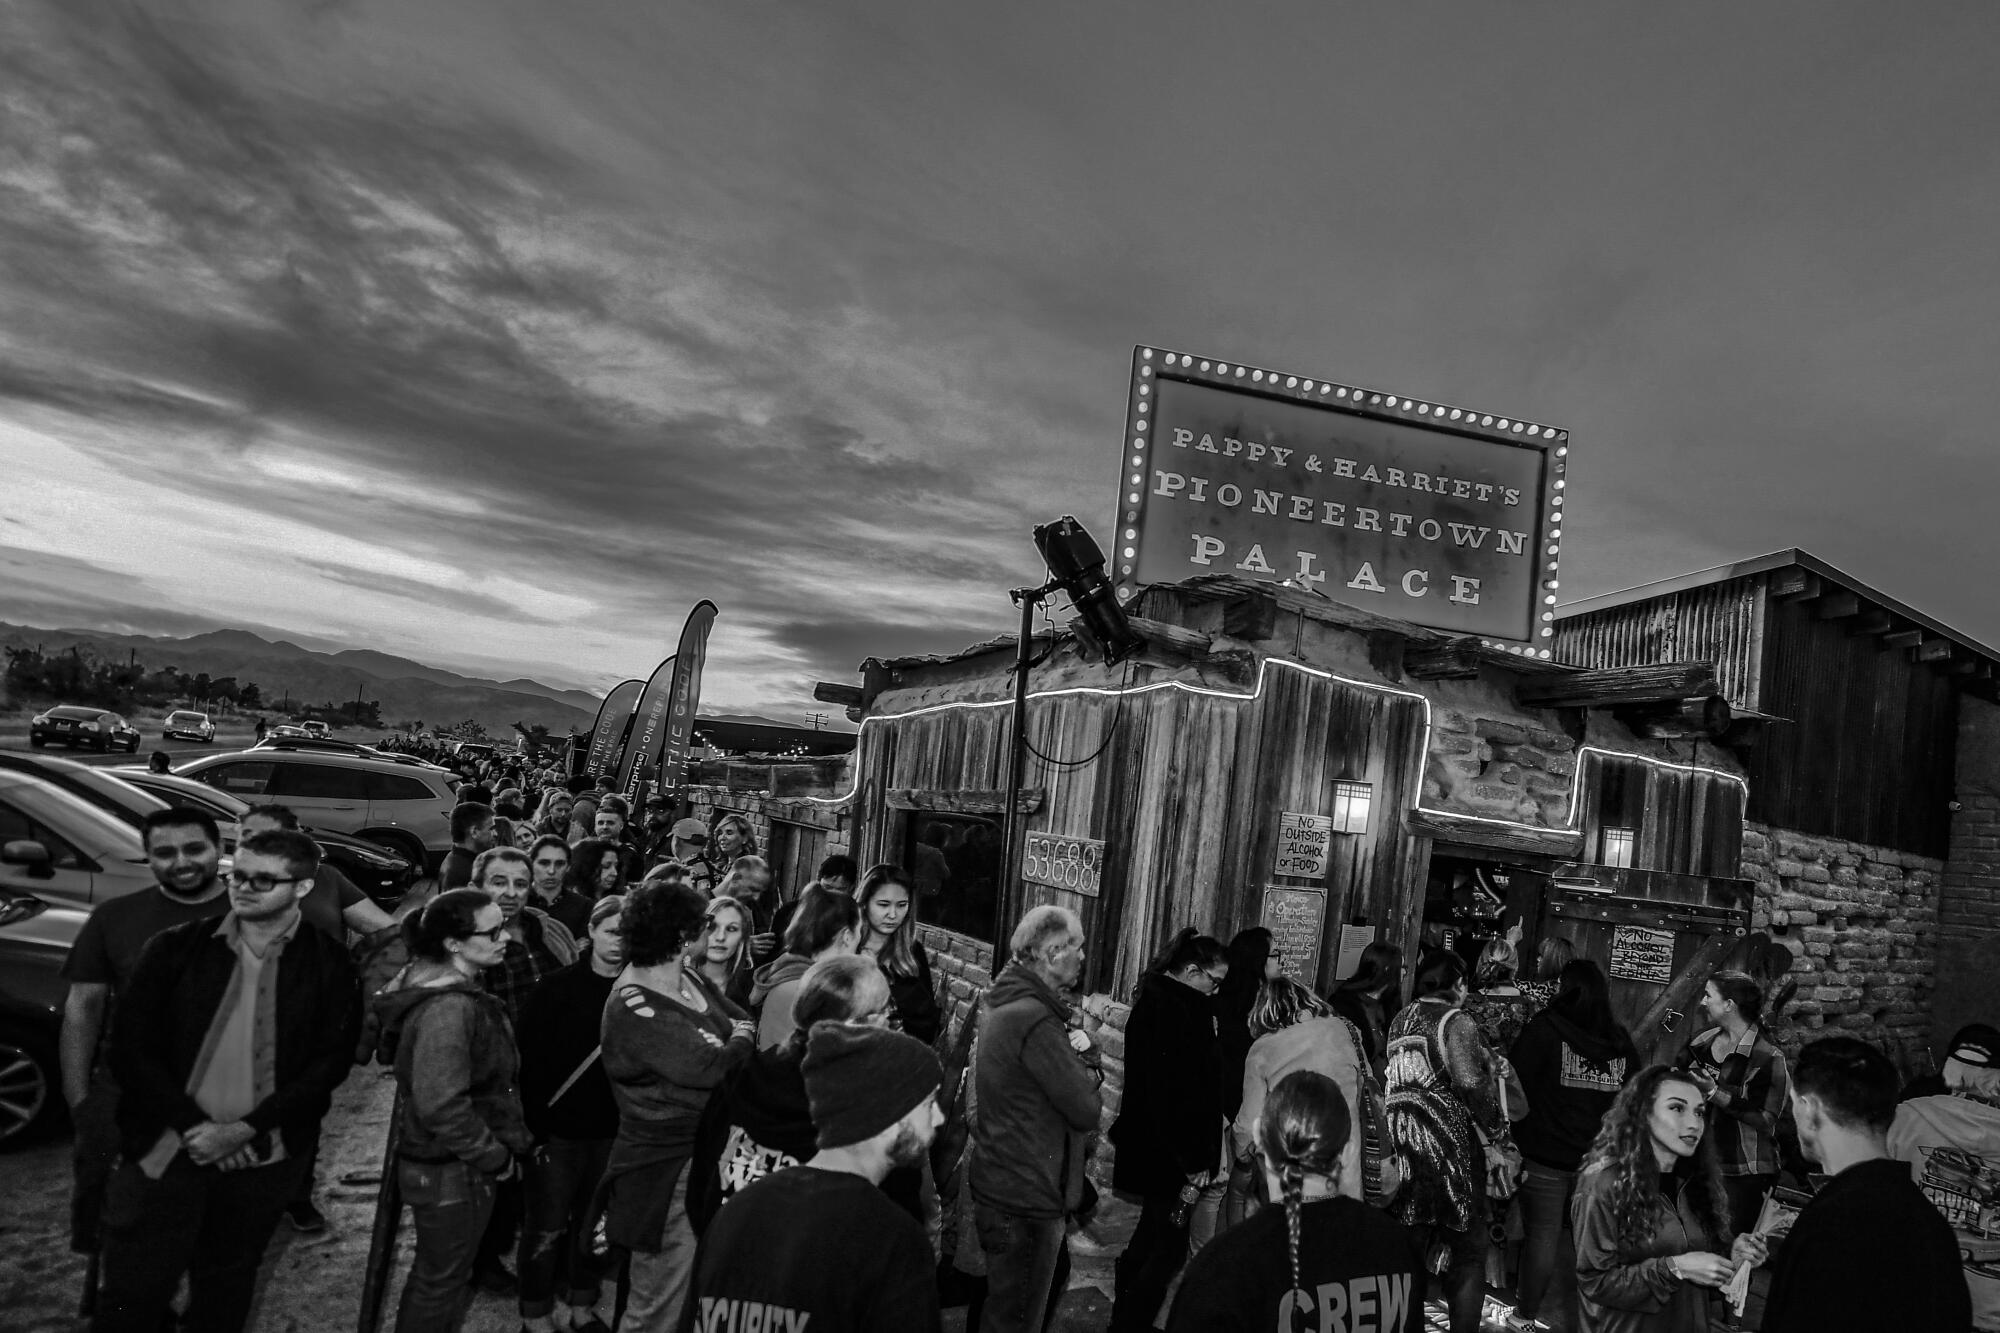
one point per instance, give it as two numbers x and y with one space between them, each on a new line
1499 768
1861 924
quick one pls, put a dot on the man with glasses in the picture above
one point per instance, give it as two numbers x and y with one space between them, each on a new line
231 1038
1037 1083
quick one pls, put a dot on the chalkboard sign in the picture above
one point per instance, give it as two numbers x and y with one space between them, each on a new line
1639 954
1303 844
1297 921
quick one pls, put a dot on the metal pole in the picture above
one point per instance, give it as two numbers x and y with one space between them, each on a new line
1017 762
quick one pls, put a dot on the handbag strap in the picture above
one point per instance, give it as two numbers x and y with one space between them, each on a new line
576 1074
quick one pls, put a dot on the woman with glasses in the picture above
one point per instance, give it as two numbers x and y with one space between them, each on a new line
1170 1128
461 1125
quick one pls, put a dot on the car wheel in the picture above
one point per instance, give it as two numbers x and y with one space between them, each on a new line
39 742
404 845
29 1084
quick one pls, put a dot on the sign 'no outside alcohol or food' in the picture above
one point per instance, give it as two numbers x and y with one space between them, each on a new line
1416 510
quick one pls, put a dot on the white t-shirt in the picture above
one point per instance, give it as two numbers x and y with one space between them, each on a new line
1952 1147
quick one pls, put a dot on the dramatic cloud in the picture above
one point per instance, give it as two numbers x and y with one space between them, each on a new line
498 333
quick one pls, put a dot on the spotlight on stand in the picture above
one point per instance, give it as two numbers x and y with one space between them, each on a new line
1077 567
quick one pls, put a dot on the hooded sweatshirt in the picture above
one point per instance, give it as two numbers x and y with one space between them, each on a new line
1037 1100
771 995
453 1052
1571 1077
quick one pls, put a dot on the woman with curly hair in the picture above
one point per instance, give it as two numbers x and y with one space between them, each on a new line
1650 1216
1323 1258
668 1037
597 868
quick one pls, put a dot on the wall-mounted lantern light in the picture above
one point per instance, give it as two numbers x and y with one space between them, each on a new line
1350 806
1618 845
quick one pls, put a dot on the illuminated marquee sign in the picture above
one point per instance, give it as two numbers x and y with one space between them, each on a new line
1416 510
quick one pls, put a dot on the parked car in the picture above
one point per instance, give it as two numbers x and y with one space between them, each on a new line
82 728
187 725
62 849
287 729
384 875
402 808
110 790
35 938
316 728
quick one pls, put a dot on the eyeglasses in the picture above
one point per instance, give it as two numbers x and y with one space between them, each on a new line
1214 980
495 934
261 883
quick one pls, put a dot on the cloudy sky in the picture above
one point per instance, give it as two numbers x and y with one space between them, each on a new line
496 332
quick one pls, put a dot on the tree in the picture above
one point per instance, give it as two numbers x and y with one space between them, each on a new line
250 696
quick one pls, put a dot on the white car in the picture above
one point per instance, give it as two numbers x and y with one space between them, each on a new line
187 725
59 847
405 809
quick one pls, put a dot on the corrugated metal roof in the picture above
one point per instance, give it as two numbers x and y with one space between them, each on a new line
1762 564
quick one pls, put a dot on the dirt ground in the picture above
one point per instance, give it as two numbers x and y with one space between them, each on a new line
312 1284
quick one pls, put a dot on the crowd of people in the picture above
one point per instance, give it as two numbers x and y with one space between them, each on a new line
643 1086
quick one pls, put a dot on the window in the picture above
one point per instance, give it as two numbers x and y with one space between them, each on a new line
245 780
322 782
396 787
15 825
954 861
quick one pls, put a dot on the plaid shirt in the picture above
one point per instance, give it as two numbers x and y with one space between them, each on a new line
544 947
1751 1088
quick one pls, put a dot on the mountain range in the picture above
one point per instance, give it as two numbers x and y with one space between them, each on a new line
408 690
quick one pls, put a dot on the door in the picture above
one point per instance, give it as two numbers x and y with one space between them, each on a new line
1647 950
796 851
69 878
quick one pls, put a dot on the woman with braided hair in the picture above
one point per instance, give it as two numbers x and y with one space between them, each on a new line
1322 1259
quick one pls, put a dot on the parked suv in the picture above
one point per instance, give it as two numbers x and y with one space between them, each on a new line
380 873
87 728
187 725
405 809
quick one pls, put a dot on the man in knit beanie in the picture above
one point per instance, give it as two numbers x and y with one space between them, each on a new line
818 1245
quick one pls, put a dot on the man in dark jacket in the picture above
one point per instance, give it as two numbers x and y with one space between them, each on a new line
230 1041
1870 1251
1037 1084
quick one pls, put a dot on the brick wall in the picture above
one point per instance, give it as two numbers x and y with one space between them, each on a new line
706 802
1969 908
1861 923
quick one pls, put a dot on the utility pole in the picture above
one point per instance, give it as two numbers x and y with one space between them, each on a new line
817 719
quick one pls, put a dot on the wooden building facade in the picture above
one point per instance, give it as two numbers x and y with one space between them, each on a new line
1490 781
1861 690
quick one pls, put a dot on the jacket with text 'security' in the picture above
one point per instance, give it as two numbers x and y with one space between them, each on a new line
1038 1100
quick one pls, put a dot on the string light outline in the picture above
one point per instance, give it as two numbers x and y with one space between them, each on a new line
1569 825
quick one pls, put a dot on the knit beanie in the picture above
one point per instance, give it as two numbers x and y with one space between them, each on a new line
860 1080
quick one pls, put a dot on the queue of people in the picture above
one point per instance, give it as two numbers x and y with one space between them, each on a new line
641 1087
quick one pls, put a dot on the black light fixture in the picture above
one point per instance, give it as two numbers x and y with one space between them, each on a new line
1076 566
